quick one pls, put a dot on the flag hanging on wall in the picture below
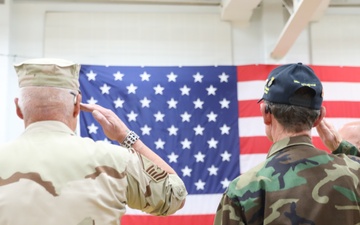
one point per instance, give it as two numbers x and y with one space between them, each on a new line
203 120
187 115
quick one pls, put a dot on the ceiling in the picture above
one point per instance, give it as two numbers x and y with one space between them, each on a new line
301 13
333 3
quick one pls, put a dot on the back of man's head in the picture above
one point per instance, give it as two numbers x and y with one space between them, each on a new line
294 84
48 89
294 95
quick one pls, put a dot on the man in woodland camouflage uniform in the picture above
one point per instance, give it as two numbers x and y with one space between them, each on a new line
297 183
51 176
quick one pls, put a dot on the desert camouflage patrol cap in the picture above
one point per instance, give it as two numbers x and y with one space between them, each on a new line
286 81
48 72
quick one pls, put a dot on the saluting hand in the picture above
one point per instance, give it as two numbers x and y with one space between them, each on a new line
329 135
114 128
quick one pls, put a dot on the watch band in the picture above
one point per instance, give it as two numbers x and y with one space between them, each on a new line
130 139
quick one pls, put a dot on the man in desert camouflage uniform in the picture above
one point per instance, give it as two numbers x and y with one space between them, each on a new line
50 176
297 183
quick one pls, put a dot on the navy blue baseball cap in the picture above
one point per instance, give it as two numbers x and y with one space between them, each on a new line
285 81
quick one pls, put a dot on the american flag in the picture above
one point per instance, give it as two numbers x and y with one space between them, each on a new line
187 115
203 120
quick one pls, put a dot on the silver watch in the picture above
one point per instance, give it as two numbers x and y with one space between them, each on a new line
130 139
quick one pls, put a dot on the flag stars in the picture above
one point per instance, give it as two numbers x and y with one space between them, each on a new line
132 116
198 104
145 76
185 144
199 157
172 130
92 100
212 170
202 106
145 130
173 157
171 77
105 89
185 90
172 103
212 143
92 129
145 102
91 75
223 77
225 183
186 171
159 144
211 90
118 75
159 89
224 103
107 140
211 116
159 116
200 185
119 103
199 130
225 156
225 129
185 117
198 77
131 88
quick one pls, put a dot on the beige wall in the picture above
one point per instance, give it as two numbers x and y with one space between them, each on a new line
159 35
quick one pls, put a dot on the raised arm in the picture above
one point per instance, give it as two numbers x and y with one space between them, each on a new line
115 129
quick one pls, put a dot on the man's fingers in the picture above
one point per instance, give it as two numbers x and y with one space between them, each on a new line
91 107
101 118
86 107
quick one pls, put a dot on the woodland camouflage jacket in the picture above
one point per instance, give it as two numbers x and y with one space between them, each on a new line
297 184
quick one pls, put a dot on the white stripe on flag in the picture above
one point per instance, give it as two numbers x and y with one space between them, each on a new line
248 161
251 126
194 205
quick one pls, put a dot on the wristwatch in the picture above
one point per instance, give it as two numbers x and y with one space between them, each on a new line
130 139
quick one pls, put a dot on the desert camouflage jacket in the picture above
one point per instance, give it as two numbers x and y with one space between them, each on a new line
297 184
51 176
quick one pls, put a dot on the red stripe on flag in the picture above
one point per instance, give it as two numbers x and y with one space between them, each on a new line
248 108
346 109
253 72
254 145
337 73
173 220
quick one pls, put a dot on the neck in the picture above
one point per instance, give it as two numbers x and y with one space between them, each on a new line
286 135
277 132
71 124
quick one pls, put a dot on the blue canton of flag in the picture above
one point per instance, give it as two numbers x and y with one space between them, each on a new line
187 115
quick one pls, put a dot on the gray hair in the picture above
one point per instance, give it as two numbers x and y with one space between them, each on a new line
294 118
46 102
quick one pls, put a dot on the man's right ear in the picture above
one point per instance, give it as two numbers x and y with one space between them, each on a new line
18 110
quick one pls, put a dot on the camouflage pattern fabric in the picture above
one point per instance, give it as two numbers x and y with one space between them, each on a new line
297 184
49 175
347 148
